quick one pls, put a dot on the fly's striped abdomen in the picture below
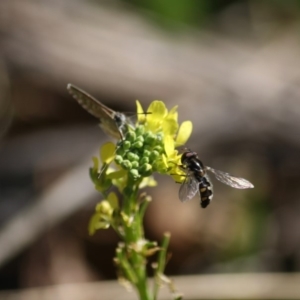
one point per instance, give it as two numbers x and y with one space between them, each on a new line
205 190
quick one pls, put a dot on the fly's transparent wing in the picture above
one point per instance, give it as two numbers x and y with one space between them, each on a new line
188 189
89 103
110 121
235 182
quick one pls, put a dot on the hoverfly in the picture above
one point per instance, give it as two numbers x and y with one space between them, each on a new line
197 179
112 123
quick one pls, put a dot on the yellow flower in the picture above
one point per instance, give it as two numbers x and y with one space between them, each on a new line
103 216
147 148
103 178
159 120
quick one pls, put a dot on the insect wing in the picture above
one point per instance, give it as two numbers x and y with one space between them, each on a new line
188 189
90 104
235 182
108 118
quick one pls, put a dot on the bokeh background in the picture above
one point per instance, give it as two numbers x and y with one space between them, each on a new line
232 66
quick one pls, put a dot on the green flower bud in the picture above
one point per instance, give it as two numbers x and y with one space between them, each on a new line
140 130
138 153
119 159
145 170
146 153
130 136
134 173
104 208
158 148
144 160
154 155
126 145
148 147
126 164
150 139
137 145
140 139
135 164
132 156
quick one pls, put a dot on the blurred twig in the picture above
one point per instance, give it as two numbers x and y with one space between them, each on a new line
225 286
70 192
37 154
245 87
115 51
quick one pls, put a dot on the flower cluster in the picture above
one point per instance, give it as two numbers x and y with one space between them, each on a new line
148 147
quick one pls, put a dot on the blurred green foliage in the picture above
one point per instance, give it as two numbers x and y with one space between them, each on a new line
253 218
174 14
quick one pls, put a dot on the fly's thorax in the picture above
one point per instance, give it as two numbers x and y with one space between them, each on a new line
192 163
187 156
124 123
196 167
120 119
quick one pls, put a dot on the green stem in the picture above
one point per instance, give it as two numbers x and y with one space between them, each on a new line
127 269
134 236
161 263
143 289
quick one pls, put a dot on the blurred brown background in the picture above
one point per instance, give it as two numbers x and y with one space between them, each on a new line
233 67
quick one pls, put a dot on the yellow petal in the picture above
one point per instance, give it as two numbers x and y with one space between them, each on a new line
107 152
173 114
116 174
157 111
170 127
92 224
141 117
95 163
148 181
104 208
184 133
165 161
113 200
169 145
